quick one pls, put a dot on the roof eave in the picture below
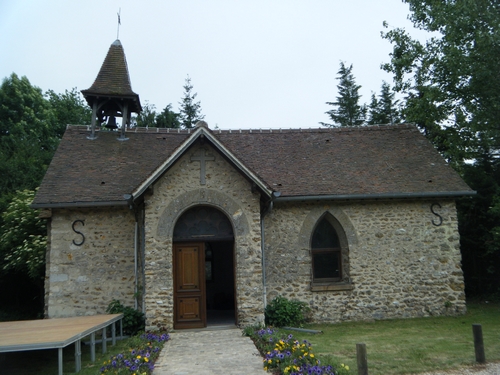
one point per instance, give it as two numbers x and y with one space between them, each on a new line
79 204
339 197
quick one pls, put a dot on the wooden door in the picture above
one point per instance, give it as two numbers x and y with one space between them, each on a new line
189 286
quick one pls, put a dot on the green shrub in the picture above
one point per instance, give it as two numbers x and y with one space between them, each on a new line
133 320
281 312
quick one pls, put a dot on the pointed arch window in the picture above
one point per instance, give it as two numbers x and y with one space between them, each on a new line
326 253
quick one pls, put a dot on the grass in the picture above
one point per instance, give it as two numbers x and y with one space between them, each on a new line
410 345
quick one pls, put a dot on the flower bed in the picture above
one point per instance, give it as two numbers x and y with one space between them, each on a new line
285 355
143 352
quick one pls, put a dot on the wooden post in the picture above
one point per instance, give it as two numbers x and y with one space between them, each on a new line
362 359
478 343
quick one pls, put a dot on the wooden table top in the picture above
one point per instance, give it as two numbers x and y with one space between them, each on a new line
50 333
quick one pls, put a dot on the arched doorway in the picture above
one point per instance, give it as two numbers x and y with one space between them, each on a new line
203 258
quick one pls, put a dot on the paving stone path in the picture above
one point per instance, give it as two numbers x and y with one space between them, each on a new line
206 352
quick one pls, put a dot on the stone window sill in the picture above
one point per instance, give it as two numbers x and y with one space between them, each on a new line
334 287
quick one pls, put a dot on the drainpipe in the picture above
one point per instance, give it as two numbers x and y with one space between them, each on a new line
135 263
262 243
130 201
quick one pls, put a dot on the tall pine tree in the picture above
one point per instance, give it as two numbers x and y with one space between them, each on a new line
347 111
190 111
384 109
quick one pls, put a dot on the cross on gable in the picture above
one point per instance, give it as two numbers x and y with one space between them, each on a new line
202 157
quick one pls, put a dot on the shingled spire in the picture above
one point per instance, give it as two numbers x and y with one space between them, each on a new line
111 94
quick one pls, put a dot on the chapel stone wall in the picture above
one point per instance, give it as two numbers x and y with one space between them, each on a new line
177 191
84 279
400 264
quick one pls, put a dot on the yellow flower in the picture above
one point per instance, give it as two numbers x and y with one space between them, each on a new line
265 368
146 359
311 355
138 357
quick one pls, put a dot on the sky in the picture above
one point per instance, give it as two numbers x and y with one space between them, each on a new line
255 64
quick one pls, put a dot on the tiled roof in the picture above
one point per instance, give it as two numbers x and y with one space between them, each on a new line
361 161
113 78
346 161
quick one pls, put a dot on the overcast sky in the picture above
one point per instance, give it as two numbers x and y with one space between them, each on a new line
254 63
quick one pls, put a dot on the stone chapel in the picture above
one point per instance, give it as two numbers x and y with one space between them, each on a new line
198 226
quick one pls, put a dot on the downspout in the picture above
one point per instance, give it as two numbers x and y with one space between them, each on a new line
136 304
262 245
130 201
263 242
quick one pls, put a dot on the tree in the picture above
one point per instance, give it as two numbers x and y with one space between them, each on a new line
190 111
147 117
451 85
384 109
168 118
23 239
69 109
23 243
347 111
28 137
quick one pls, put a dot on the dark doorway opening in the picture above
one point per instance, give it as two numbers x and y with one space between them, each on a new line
219 276
205 294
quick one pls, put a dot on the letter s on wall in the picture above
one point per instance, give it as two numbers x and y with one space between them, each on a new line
80 233
438 215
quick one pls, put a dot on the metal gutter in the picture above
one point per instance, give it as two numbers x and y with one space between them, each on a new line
341 197
80 204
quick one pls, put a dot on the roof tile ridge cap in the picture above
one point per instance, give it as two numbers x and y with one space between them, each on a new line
384 127
154 129
77 127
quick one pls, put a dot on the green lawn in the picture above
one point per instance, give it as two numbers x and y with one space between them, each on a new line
410 345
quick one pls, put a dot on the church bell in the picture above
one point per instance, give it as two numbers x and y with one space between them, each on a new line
111 124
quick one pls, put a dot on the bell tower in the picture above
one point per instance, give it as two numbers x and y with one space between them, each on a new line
111 94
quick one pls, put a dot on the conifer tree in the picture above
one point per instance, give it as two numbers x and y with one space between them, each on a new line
383 110
190 111
347 111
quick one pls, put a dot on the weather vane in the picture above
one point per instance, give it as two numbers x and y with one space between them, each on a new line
119 23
